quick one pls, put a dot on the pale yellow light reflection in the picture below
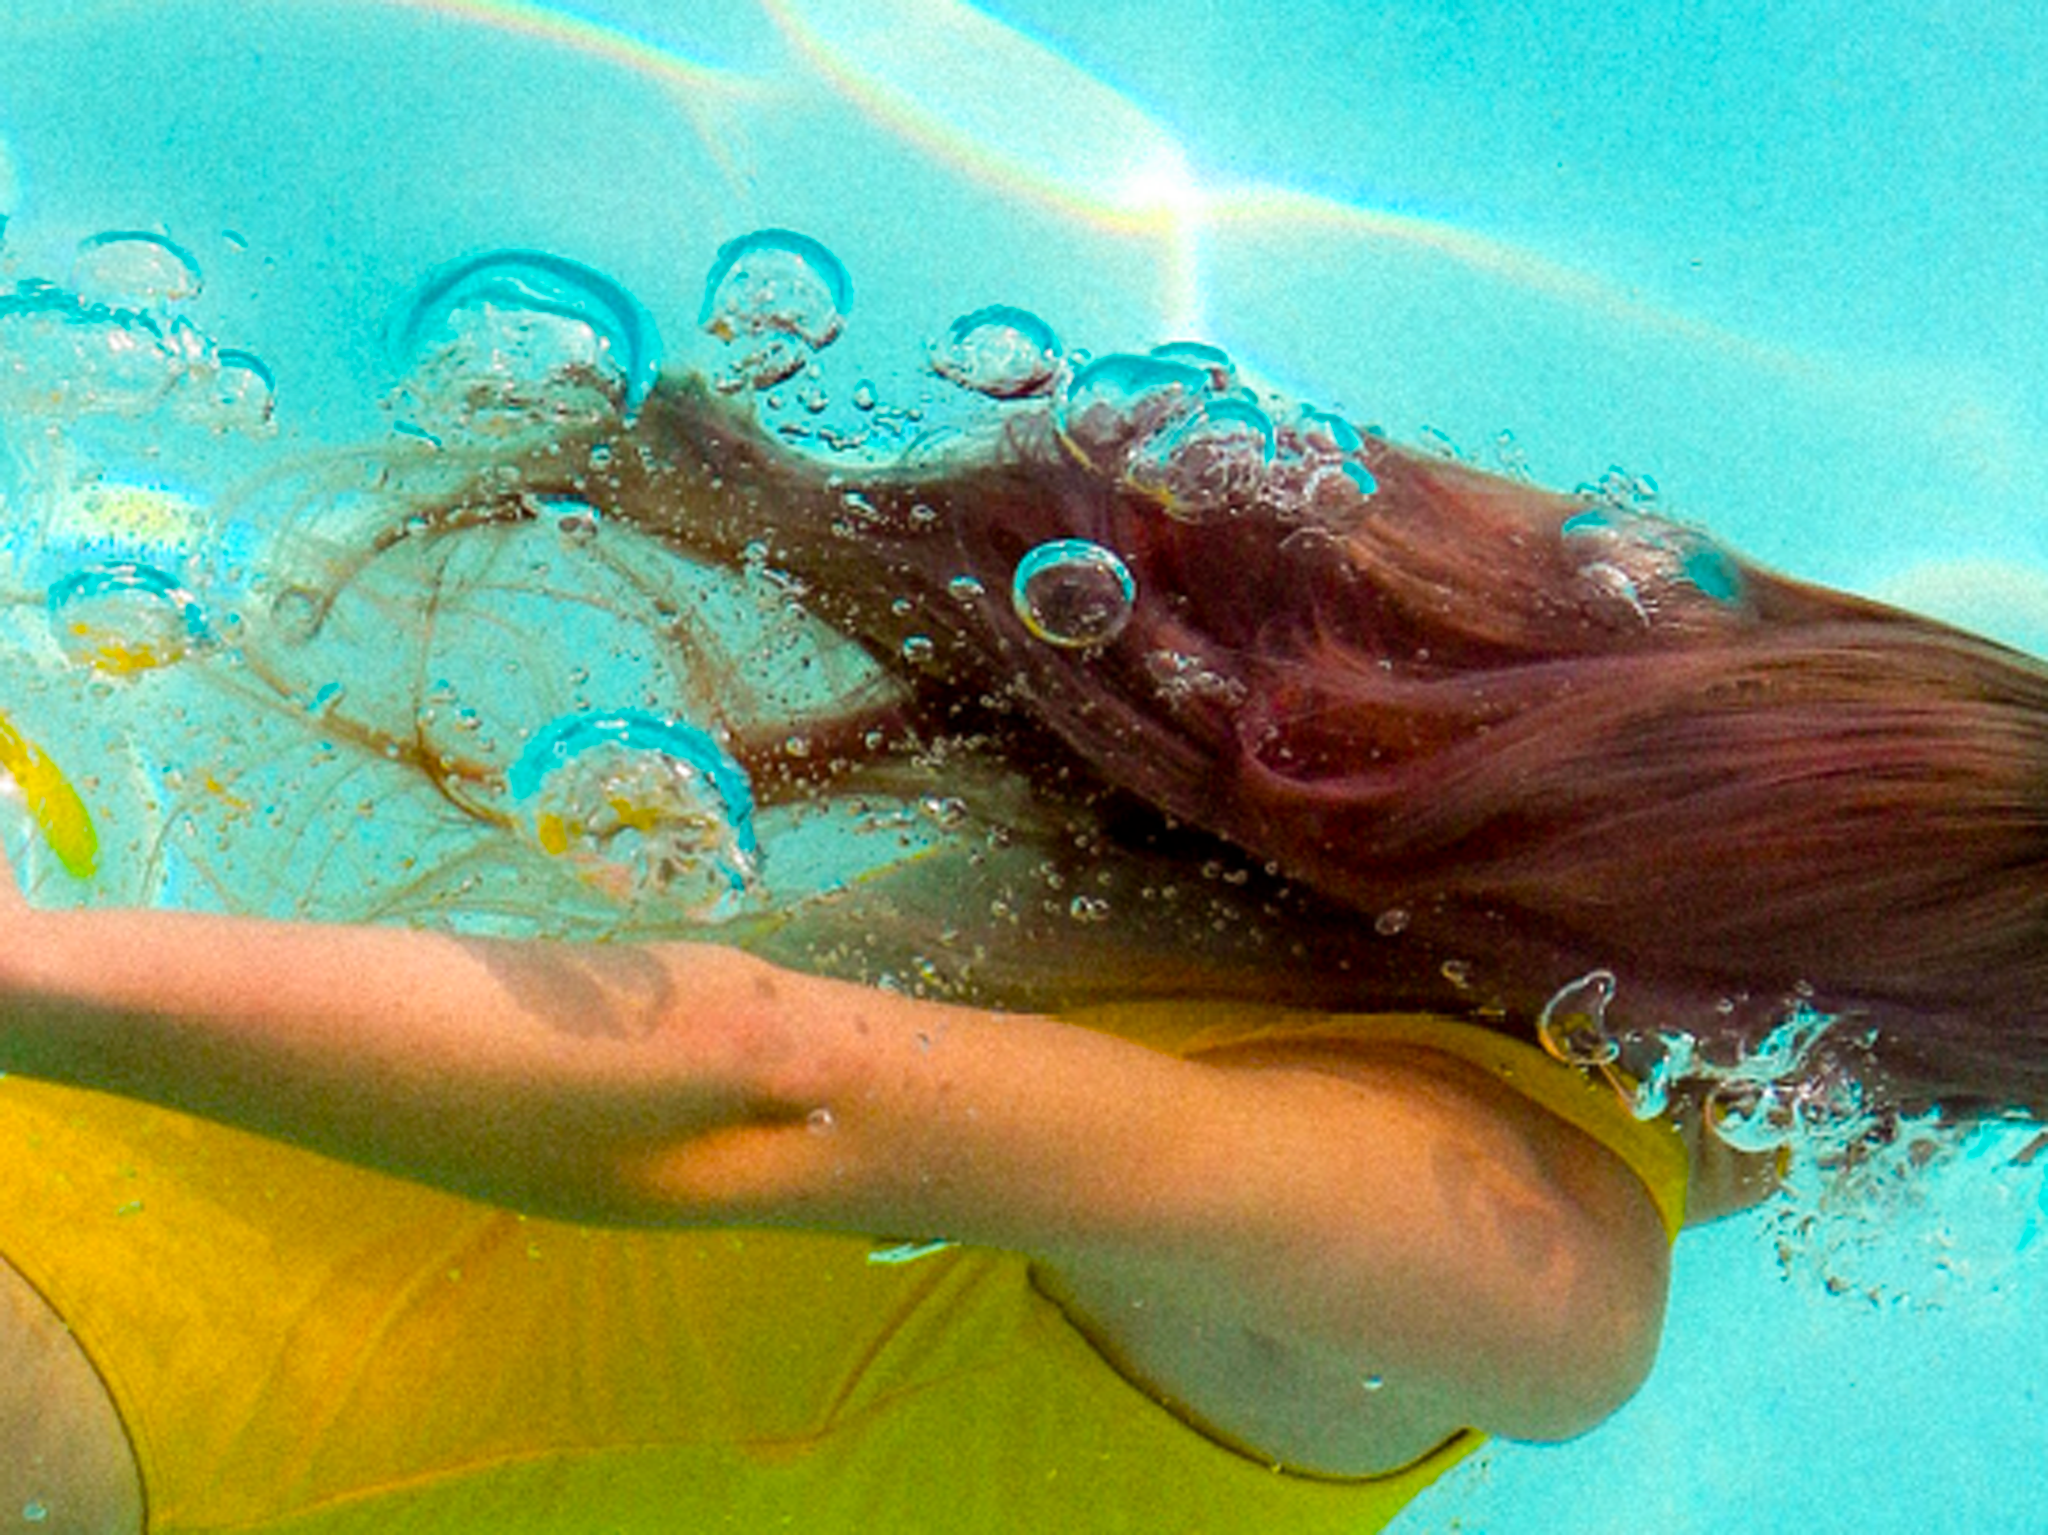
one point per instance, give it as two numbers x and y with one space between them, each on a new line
1015 115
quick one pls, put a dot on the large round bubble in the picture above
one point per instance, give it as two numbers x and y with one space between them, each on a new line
125 617
779 296
516 339
1073 594
1121 398
134 269
642 805
1206 463
1000 351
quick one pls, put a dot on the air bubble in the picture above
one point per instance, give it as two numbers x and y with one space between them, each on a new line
230 390
519 338
574 521
943 811
779 294
1000 351
1391 923
1188 682
124 618
1210 462
1073 594
134 269
1573 1026
60 356
1654 566
1120 399
642 805
1325 432
1212 360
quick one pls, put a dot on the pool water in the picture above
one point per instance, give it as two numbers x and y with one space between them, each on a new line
1782 271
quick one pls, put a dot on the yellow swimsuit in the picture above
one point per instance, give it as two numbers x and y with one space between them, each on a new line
301 1346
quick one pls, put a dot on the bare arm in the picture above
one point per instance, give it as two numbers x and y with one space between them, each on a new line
1254 1238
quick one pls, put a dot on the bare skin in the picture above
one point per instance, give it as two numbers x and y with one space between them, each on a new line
1249 1238
62 1449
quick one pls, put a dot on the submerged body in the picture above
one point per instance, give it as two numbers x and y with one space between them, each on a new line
296 1343
1547 736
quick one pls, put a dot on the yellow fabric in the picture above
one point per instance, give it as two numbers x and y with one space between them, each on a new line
299 1346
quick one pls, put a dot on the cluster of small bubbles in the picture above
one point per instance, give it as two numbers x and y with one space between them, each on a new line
1770 1096
1318 463
1088 909
1877 1218
1000 351
1621 490
1184 681
779 296
1213 459
1511 458
1073 594
518 340
641 805
1854 1210
124 618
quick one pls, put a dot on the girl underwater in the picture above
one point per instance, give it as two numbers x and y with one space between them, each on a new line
1352 909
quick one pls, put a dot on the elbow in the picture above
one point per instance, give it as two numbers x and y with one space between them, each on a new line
1588 1337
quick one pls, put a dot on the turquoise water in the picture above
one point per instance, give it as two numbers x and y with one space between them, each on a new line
1788 267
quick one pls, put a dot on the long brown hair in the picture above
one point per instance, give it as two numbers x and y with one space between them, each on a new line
1528 734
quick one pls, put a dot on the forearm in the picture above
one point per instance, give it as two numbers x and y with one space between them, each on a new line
533 1074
